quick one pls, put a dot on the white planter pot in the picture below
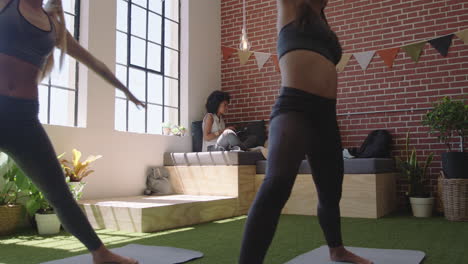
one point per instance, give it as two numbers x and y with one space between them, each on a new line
422 207
47 224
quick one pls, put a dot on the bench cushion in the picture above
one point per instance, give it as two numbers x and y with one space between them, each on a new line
351 166
212 158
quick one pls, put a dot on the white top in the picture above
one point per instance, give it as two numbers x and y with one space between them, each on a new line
218 124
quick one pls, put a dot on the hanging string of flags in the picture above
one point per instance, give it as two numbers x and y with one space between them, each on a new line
414 50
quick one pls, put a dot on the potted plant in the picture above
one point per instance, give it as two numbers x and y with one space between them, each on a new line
450 119
182 130
75 170
38 207
421 201
167 127
14 184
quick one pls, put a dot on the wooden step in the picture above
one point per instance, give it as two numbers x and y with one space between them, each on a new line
155 213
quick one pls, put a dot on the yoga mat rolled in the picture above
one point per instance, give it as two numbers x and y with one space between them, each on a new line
144 255
378 256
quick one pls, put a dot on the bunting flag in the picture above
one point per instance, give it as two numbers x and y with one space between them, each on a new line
364 58
227 52
463 35
276 62
261 58
414 50
244 56
343 62
389 56
442 44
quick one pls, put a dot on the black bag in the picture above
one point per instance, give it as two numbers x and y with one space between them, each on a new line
377 145
197 136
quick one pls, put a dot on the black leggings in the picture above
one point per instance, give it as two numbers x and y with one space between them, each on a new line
23 138
301 124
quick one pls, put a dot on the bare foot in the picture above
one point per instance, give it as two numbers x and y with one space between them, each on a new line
341 254
104 256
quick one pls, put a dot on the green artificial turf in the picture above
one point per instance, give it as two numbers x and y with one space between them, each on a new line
444 242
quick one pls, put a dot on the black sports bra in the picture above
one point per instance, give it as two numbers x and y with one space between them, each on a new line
316 36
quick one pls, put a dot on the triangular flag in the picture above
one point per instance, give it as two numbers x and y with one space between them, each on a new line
389 55
227 52
442 44
244 56
261 58
276 62
414 50
343 62
364 58
463 35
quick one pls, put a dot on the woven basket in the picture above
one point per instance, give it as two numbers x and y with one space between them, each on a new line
10 217
455 198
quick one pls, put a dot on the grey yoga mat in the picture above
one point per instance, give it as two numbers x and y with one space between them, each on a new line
378 256
144 255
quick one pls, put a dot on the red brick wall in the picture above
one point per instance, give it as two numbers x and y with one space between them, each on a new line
361 26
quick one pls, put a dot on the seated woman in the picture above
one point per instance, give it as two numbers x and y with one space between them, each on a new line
216 136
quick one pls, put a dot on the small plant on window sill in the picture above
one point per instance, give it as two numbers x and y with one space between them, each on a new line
173 130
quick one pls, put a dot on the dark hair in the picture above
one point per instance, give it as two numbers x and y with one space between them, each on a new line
215 99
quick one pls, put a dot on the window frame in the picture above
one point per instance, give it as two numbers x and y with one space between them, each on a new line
48 83
146 69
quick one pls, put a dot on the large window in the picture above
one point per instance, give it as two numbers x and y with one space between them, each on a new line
147 62
58 94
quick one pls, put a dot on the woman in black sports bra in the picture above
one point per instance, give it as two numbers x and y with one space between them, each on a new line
303 123
28 35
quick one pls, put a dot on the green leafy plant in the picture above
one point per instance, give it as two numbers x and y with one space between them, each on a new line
15 183
166 125
415 173
448 118
76 170
37 202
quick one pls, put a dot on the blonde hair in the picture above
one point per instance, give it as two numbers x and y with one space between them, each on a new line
54 9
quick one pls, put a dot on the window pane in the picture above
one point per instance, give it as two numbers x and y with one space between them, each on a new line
172 9
43 103
138 52
70 23
154 28
171 92
155 87
122 15
62 106
137 83
156 6
121 73
121 48
171 34
141 2
171 63
136 119
65 76
171 115
138 21
120 114
68 6
154 119
154 57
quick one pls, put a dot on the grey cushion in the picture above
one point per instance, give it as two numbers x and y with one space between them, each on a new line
351 166
212 158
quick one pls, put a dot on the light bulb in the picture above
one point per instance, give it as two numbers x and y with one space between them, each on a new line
244 43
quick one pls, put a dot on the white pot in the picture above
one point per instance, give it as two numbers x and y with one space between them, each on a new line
47 224
422 207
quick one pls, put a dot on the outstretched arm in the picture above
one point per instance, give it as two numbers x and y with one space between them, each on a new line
75 50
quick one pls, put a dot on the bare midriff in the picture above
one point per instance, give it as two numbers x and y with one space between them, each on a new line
305 69
18 78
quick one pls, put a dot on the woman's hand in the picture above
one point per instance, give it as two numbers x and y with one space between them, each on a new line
134 100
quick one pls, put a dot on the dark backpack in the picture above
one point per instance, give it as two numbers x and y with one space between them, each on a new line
377 145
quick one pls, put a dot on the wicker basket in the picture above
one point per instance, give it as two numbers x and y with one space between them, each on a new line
10 217
455 198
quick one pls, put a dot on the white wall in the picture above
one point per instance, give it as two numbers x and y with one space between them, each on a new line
126 156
